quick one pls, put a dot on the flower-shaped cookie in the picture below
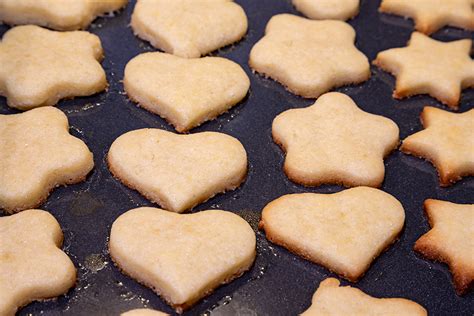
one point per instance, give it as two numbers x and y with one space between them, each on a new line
447 141
189 28
39 67
309 57
428 66
333 141
32 267
431 15
37 153
56 14
328 9
450 240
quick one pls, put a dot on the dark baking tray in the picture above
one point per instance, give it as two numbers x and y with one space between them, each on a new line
279 283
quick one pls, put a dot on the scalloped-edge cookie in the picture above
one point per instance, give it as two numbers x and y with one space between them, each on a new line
333 141
309 57
428 66
39 67
37 153
182 257
143 312
186 92
343 231
178 171
447 141
189 28
431 15
328 9
32 265
450 240
56 14
332 299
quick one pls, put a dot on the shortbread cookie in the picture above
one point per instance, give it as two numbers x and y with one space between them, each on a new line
431 15
309 57
32 267
331 299
178 171
343 232
447 141
37 154
450 240
56 14
189 28
143 312
39 67
333 141
186 92
328 9
182 257
428 66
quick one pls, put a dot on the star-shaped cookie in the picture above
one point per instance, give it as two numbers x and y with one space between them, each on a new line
309 57
431 15
37 153
450 240
333 141
39 67
447 141
32 265
428 66
189 28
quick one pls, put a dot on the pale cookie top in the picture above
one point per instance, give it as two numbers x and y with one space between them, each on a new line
331 299
328 9
450 240
182 257
40 67
143 312
37 153
431 15
186 92
447 141
333 141
309 57
428 66
178 171
343 231
56 14
32 267
189 28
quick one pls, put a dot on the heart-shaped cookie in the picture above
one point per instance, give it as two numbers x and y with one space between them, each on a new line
343 231
178 171
186 92
182 257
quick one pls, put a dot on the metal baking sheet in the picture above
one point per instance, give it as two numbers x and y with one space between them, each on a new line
279 283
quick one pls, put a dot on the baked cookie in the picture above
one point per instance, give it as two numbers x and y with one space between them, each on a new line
328 9
189 28
431 15
331 299
186 92
428 66
333 141
450 240
37 154
178 171
32 265
143 312
56 14
40 67
182 257
343 232
309 57
447 141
